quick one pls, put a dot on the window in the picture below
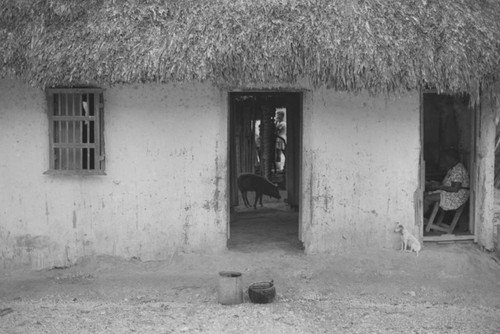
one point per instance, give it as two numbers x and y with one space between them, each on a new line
76 131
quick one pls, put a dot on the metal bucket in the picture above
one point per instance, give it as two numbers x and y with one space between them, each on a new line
230 289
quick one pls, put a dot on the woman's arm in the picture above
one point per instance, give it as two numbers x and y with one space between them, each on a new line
455 186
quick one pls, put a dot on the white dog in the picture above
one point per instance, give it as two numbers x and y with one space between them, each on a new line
407 239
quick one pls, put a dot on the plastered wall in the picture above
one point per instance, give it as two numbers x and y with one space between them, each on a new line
360 157
164 190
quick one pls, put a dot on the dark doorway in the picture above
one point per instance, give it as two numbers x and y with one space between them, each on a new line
265 140
448 125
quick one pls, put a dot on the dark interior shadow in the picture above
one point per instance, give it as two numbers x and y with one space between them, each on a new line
272 227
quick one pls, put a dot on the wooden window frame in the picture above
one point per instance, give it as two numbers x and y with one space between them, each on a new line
76 131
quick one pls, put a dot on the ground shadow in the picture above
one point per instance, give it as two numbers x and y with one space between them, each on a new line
272 227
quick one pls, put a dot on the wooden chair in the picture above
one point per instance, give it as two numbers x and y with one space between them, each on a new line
438 225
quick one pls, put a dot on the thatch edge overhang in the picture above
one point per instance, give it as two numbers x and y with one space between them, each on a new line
383 47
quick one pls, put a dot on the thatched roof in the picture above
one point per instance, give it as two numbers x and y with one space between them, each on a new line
378 45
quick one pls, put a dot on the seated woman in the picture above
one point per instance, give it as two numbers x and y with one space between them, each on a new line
453 192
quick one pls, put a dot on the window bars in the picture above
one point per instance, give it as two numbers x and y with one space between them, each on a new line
76 131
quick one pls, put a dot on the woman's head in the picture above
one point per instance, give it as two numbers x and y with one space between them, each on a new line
449 158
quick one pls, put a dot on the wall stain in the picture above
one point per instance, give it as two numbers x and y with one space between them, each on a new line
74 219
136 209
217 180
216 194
46 210
311 197
185 231
30 243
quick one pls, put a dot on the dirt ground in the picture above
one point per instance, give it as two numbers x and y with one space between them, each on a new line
451 288
447 289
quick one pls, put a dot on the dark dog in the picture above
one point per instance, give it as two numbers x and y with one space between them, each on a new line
259 184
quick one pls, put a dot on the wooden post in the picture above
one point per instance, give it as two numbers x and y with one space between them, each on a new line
498 241
267 131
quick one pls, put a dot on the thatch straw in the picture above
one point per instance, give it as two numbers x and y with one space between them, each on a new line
383 46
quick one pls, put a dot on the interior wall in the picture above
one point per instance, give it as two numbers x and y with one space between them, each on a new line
164 190
360 169
448 123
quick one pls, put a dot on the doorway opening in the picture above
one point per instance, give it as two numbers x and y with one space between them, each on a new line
265 139
448 130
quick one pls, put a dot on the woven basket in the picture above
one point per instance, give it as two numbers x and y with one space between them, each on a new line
262 292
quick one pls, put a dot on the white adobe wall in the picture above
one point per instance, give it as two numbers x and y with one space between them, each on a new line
166 183
165 188
361 169
485 178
